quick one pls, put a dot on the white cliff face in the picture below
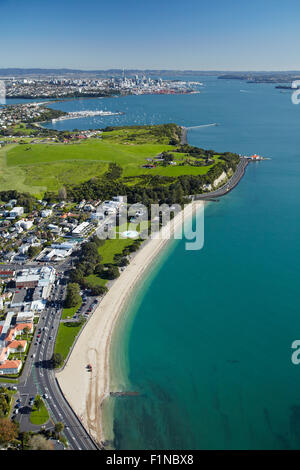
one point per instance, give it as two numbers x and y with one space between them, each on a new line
219 180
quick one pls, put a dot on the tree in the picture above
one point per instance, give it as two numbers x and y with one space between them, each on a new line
8 431
39 442
73 297
20 349
26 331
98 290
38 402
99 269
112 272
57 360
4 404
58 428
33 251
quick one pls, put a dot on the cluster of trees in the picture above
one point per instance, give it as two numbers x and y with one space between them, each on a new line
33 251
8 432
195 152
73 297
4 402
57 360
89 262
11 438
24 199
108 271
114 172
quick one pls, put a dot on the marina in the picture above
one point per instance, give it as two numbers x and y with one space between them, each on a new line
86 114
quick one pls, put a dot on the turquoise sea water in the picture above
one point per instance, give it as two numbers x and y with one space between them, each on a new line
208 343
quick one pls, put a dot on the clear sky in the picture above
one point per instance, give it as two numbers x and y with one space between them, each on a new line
163 34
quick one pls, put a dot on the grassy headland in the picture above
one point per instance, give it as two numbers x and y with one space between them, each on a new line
39 165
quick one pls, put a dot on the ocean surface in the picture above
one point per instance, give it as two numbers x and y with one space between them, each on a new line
206 339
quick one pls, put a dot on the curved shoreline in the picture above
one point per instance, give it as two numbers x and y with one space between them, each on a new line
87 391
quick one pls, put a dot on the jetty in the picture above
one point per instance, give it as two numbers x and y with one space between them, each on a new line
185 129
124 394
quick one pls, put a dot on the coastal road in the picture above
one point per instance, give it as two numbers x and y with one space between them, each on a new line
228 186
38 378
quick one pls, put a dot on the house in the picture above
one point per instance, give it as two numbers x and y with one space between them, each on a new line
10 367
46 213
16 212
26 224
10 345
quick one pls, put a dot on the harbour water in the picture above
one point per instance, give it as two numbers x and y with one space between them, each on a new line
206 340
208 344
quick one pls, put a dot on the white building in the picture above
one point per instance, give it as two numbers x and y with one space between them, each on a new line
26 224
16 212
46 213
25 317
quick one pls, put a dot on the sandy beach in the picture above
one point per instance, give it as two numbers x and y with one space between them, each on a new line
86 391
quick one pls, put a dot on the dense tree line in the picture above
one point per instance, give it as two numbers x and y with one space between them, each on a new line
24 199
4 402
89 262
73 297
157 190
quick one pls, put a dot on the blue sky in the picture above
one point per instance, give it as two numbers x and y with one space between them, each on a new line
191 34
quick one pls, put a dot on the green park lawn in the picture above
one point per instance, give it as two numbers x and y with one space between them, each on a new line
112 247
66 335
107 251
70 312
40 416
95 280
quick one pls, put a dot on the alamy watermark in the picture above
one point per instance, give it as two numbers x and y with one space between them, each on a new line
296 354
296 93
162 222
